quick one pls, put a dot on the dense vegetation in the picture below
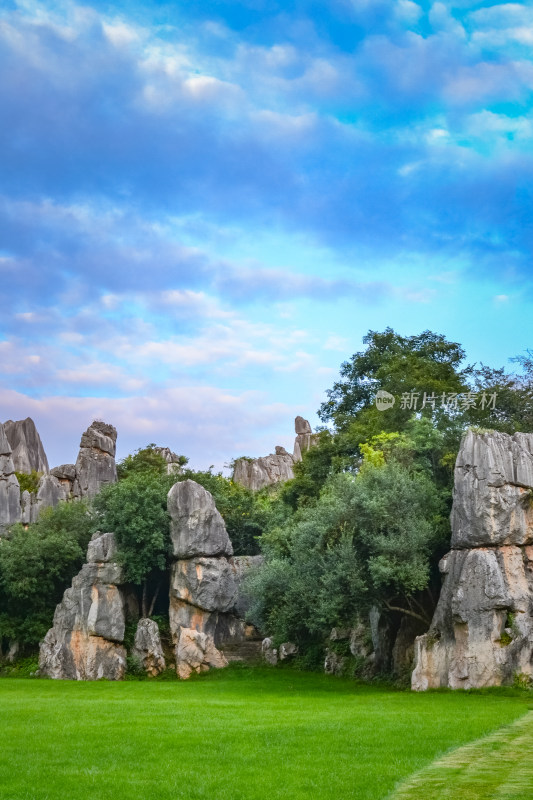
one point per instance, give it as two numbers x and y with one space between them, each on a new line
362 524
232 734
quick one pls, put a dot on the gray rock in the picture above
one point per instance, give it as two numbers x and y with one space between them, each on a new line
65 472
102 548
482 631
95 465
224 629
196 652
28 450
197 528
10 509
85 641
207 583
147 649
257 473
492 502
269 652
302 426
287 650
172 460
50 492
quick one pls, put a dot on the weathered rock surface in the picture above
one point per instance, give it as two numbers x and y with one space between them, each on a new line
85 642
269 652
28 450
196 652
197 527
95 466
10 508
482 630
204 583
172 459
147 648
278 467
492 494
207 583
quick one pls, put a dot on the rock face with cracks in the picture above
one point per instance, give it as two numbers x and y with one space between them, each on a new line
85 641
204 581
482 630
278 467
28 450
147 649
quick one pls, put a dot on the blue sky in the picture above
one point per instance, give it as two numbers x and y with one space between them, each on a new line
204 206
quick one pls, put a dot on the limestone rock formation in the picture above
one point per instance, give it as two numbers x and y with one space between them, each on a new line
196 652
197 528
28 450
482 630
85 642
95 465
10 508
278 467
147 648
204 581
172 459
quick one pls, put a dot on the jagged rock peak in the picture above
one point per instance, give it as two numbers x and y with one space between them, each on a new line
5 447
100 436
28 450
95 466
302 425
197 527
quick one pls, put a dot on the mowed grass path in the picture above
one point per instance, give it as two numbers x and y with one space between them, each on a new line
235 734
499 766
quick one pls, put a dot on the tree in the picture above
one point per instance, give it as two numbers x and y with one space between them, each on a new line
135 509
37 565
145 459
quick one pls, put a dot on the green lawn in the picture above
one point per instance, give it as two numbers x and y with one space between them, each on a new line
499 766
234 734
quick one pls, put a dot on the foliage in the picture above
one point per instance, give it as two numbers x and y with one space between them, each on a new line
37 565
145 459
369 539
135 508
29 482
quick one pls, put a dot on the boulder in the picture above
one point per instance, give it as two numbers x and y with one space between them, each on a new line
95 465
269 652
196 652
85 641
25 442
147 649
197 527
287 650
50 492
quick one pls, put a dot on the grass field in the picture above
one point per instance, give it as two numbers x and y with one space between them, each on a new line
236 734
499 766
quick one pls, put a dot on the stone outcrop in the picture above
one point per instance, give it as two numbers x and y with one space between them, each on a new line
482 630
22 451
10 507
278 467
172 460
28 451
147 649
85 641
204 580
95 466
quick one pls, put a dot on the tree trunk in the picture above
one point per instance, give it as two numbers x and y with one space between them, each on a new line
154 598
143 603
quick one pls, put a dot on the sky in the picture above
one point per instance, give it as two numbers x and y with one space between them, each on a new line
205 205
